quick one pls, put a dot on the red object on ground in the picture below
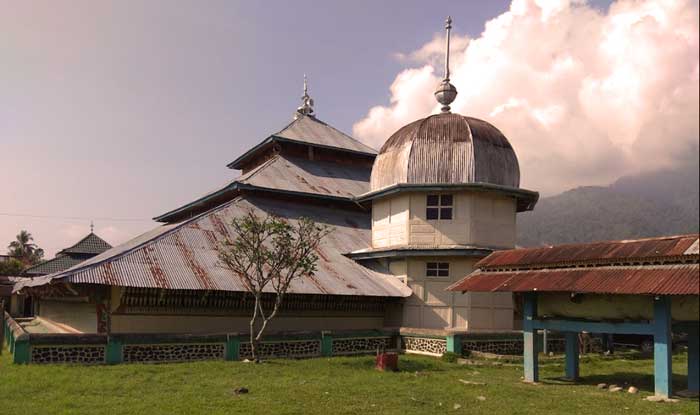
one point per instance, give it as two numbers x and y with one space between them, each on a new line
387 361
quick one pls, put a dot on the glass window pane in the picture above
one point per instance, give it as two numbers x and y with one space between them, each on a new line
446 200
444 273
431 213
431 273
446 213
444 265
433 200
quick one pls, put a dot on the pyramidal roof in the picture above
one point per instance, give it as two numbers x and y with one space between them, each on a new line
309 130
85 248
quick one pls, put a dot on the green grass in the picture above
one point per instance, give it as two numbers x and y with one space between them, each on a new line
331 386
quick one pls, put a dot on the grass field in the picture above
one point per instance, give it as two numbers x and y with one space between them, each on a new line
341 385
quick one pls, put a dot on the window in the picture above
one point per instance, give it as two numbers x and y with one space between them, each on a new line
438 207
437 269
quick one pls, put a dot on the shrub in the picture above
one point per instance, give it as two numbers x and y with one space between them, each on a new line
450 357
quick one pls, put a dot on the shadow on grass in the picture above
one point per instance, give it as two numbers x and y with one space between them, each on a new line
643 382
406 364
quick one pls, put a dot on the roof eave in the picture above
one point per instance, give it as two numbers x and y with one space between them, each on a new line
410 252
238 163
527 199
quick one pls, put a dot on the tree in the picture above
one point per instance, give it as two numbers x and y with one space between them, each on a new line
268 253
11 267
24 249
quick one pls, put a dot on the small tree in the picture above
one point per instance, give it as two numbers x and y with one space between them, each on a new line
268 253
24 249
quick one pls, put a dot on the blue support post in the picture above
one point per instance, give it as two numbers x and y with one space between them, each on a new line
662 347
572 363
693 359
454 343
530 348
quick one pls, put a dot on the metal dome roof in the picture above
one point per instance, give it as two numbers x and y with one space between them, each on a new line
446 149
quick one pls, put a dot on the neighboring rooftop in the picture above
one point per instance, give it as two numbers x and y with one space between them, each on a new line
82 250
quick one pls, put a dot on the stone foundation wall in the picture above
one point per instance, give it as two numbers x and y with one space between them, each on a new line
360 345
173 352
283 349
425 345
83 354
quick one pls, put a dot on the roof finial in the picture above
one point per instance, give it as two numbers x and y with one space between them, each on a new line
92 227
446 92
307 103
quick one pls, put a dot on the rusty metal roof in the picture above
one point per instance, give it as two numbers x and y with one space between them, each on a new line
660 266
183 255
679 279
290 175
309 130
446 148
637 250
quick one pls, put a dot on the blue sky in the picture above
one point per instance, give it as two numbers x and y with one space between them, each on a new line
126 109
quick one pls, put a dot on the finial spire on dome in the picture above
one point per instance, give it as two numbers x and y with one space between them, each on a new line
446 92
307 103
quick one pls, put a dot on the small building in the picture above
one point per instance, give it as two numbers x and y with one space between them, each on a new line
86 248
645 286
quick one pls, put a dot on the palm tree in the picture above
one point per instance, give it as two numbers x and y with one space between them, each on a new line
24 249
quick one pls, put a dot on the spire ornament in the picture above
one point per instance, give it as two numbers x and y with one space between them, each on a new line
307 103
446 92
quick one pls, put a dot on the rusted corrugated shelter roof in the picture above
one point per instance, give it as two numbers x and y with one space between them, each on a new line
286 174
653 266
681 279
607 252
183 255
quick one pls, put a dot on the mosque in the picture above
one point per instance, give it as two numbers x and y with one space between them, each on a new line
407 222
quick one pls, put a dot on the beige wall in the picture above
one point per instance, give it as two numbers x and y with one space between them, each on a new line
81 316
483 219
432 307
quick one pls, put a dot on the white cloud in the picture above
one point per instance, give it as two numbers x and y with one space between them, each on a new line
583 96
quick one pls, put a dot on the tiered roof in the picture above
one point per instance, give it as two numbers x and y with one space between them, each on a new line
85 248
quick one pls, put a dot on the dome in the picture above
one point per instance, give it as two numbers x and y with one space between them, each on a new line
446 149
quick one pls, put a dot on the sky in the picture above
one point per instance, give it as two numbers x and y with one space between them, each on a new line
117 111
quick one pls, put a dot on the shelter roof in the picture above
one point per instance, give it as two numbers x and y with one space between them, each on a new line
653 266
91 244
184 255
307 129
286 174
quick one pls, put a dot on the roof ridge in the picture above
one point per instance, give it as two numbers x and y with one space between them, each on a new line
614 241
346 135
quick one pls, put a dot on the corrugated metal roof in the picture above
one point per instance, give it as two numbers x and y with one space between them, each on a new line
680 279
608 252
183 256
292 174
309 130
446 148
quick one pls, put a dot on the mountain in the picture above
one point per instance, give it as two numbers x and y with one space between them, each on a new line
664 202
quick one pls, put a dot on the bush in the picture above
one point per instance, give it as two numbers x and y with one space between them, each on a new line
450 357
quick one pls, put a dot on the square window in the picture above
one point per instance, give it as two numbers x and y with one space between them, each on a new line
437 269
446 213
446 200
439 207
432 213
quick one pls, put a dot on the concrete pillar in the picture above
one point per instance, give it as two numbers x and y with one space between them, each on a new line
572 358
233 347
662 347
530 348
693 359
114 353
326 344
454 344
